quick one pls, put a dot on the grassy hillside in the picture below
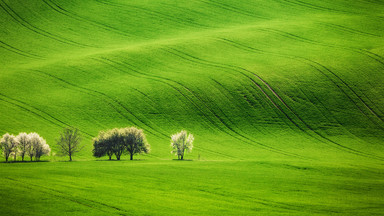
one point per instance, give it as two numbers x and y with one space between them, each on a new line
243 73
266 84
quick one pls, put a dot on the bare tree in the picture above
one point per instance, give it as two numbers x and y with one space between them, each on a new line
181 142
69 142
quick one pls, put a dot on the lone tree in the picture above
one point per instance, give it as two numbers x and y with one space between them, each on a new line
181 142
24 144
134 141
39 146
119 141
69 142
8 145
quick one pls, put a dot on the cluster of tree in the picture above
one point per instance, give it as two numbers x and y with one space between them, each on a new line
119 141
31 144
116 142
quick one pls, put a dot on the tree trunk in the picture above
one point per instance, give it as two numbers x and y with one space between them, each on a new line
6 158
14 159
117 157
182 157
110 157
31 158
22 157
131 156
70 157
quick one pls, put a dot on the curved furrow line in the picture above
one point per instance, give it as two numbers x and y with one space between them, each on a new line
329 113
372 55
109 100
373 103
311 129
295 4
158 14
112 64
276 109
62 195
307 61
350 30
231 8
313 6
364 52
222 122
320 136
225 92
35 29
346 94
56 7
249 140
35 111
18 51
165 81
310 63
269 99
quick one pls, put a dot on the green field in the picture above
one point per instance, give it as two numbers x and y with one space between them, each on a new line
284 98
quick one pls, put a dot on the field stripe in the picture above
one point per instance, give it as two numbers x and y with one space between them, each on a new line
38 112
308 126
18 51
108 99
313 64
60 9
69 197
35 29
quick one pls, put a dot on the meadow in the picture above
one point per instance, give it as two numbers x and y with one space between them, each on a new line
284 98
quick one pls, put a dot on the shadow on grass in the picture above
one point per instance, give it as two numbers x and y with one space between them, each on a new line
121 160
11 162
182 160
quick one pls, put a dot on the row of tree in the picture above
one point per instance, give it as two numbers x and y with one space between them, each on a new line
31 144
118 141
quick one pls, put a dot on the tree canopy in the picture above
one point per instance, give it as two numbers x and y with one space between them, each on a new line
119 141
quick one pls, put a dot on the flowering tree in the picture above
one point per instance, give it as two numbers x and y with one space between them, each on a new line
24 144
39 146
180 143
8 145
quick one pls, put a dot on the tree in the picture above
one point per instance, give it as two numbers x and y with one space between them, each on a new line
8 145
24 144
69 142
134 141
39 146
102 145
181 142
118 141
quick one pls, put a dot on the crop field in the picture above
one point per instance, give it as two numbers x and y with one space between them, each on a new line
285 99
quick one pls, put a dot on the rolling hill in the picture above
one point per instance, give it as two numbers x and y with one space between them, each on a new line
283 81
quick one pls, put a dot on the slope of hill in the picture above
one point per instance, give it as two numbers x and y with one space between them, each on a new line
243 74
284 97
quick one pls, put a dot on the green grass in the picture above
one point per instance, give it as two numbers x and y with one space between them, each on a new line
191 188
263 85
